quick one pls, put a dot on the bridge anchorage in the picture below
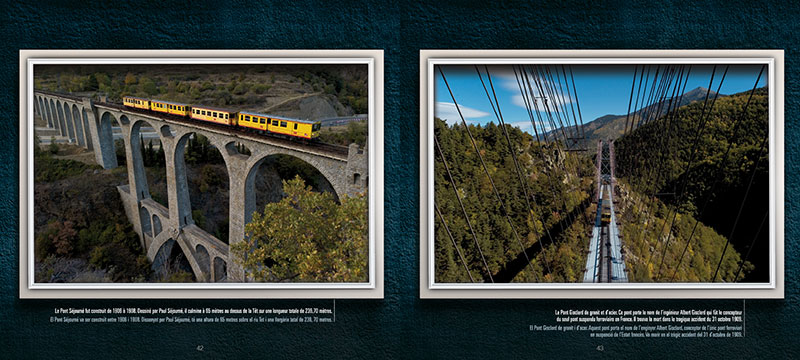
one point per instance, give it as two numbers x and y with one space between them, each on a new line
605 262
81 121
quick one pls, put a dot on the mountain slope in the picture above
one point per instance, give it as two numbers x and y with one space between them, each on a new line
705 172
611 127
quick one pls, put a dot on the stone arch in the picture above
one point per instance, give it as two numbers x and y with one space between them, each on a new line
37 109
188 191
64 120
62 129
43 111
124 120
144 217
234 148
139 177
170 257
87 132
70 122
181 190
203 259
105 136
251 203
80 135
220 269
157 228
137 142
161 258
166 132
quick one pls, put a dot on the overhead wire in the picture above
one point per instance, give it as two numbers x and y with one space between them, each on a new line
453 240
463 209
732 139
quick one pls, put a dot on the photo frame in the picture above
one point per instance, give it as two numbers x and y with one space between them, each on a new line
371 288
430 59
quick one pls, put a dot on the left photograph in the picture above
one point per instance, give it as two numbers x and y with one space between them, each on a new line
203 173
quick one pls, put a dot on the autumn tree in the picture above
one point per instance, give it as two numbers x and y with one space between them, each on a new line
306 237
130 79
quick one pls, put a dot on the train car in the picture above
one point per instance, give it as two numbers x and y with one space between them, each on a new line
136 102
254 121
169 107
215 115
292 127
306 129
605 215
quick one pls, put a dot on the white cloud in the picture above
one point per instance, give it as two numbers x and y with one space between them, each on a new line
518 100
448 112
510 83
523 125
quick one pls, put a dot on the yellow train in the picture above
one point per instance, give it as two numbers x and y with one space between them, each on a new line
605 214
261 123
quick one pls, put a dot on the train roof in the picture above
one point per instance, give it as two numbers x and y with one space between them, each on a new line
212 108
278 117
136 97
169 102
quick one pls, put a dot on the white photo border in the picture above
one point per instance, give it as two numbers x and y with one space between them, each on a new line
371 289
774 289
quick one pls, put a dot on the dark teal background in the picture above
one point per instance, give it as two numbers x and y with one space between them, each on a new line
401 325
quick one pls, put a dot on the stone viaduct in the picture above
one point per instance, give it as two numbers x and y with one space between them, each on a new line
88 124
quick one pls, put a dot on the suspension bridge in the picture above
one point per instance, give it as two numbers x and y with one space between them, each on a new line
655 247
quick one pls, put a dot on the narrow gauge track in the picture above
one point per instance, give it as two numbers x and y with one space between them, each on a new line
604 271
332 149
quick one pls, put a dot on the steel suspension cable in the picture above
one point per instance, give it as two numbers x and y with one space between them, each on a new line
752 244
463 210
499 116
630 102
699 126
453 240
718 173
577 102
527 80
527 102
687 170
741 207
544 85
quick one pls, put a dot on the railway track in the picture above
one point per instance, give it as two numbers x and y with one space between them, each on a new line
333 149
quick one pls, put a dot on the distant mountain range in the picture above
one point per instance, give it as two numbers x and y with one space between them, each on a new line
611 127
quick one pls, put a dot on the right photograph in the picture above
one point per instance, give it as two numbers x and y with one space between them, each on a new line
580 171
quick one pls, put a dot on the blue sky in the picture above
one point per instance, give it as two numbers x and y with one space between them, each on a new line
601 89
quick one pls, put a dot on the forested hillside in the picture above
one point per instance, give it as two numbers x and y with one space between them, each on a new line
703 164
558 186
611 127
308 92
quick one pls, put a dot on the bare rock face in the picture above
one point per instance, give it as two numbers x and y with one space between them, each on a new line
316 107
312 107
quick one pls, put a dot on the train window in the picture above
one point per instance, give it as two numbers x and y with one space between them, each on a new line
274 122
247 118
283 123
204 112
295 126
263 120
